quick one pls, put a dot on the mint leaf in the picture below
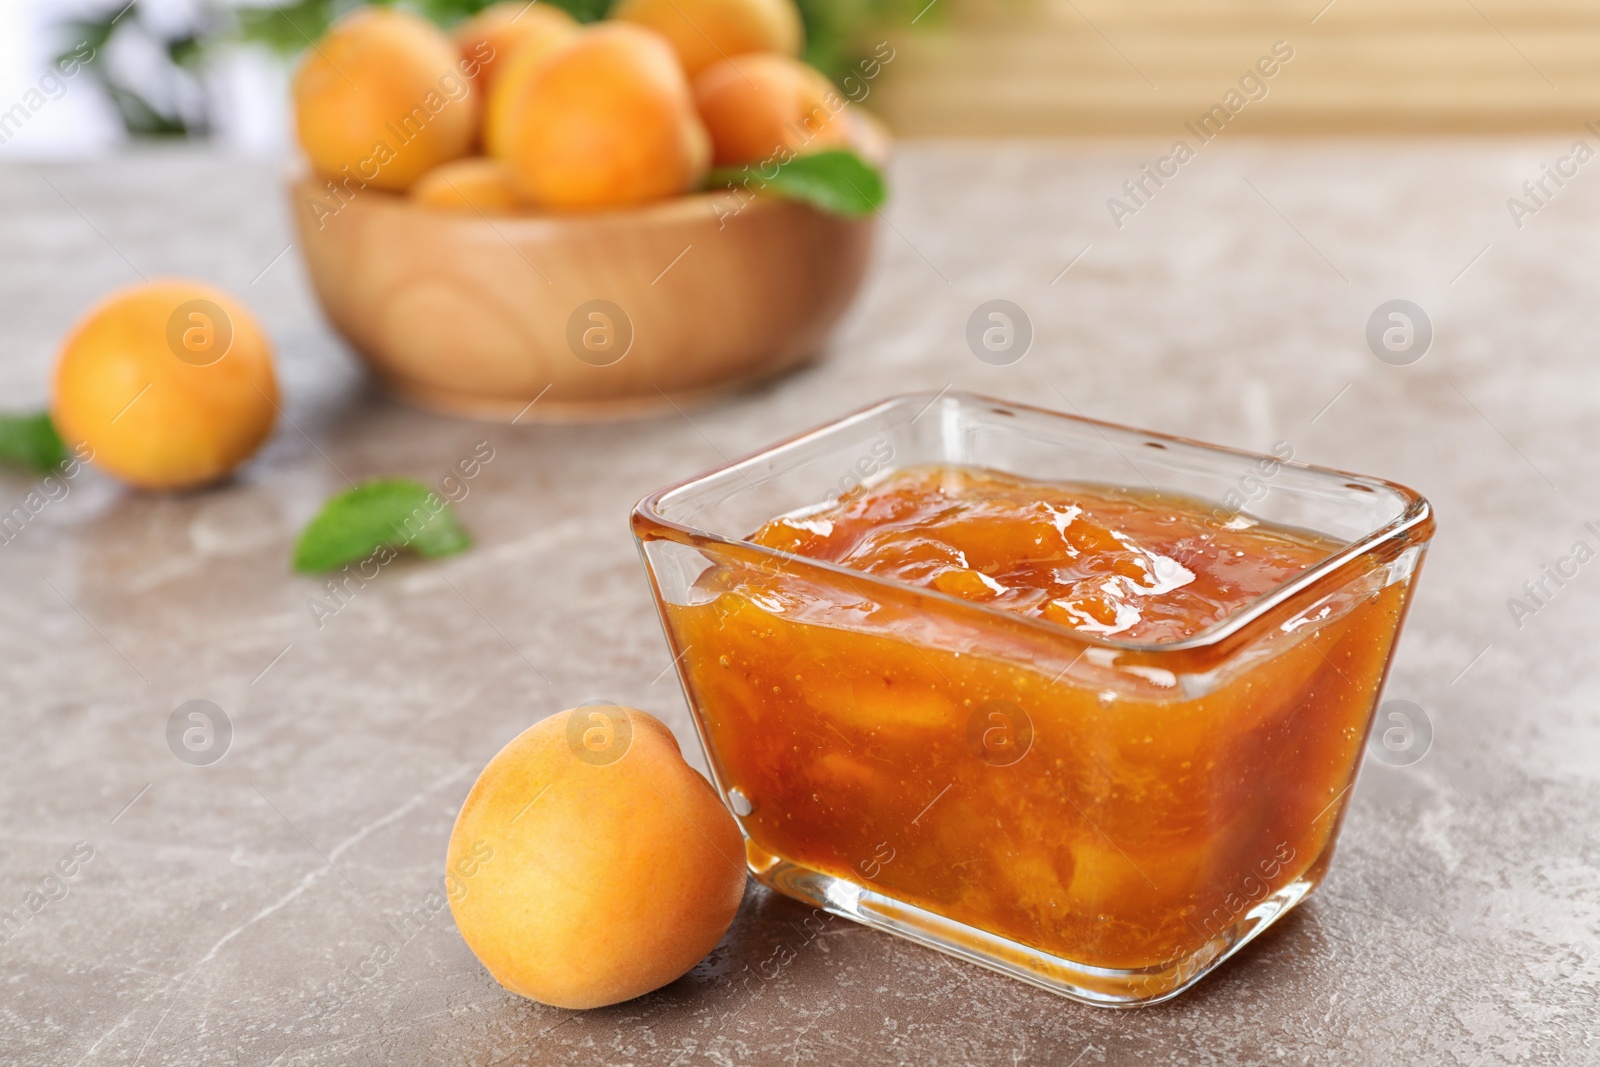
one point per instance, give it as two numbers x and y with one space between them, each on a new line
31 441
396 512
837 181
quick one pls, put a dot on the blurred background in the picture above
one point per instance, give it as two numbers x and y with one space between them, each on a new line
171 69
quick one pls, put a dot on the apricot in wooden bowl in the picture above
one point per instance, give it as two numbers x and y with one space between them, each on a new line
577 264
383 98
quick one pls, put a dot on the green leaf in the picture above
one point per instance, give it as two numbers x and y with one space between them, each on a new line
584 10
288 28
31 441
396 512
837 181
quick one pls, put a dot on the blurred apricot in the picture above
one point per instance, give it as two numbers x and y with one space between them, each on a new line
476 185
170 383
381 99
704 32
607 121
759 105
513 71
490 38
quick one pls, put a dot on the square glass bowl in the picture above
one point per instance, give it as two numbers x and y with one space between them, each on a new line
1106 819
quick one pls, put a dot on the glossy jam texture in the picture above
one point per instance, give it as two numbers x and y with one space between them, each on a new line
1140 566
1080 801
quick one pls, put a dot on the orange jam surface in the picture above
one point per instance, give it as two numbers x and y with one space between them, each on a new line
1031 786
1135 565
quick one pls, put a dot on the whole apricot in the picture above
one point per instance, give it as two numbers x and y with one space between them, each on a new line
759 106
513 71
494 35
590 864
607 121
475 185
704 32
170 383
381 99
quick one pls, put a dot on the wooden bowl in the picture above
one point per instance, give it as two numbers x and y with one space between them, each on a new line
594 316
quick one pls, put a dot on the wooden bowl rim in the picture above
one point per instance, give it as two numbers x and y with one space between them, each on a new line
677 209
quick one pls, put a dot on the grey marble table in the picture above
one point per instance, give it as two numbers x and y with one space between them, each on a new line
1461 918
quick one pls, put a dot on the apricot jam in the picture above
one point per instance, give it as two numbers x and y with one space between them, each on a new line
1141 566
1096 807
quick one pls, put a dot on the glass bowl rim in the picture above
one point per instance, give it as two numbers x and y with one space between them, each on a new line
1415 515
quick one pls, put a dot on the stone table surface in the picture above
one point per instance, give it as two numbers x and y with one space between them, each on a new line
1460 920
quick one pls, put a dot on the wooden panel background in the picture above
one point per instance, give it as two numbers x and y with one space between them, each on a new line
989 67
